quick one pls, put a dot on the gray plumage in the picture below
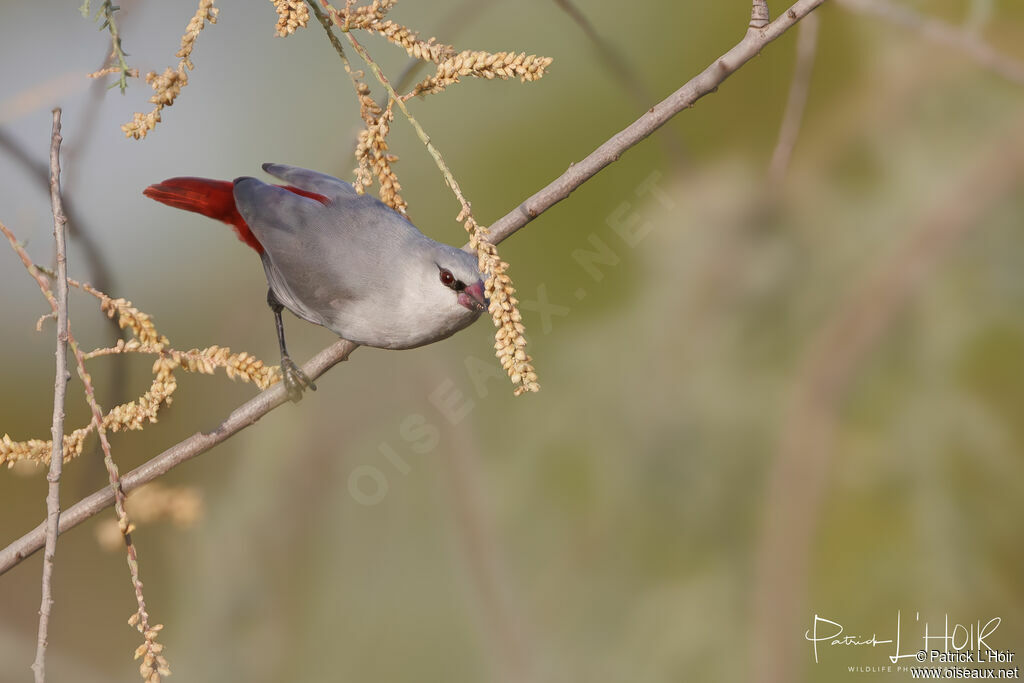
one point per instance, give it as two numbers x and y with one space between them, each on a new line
354 265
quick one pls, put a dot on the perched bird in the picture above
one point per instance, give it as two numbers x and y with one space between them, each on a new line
339 259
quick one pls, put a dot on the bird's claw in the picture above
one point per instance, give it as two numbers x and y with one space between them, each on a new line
295 380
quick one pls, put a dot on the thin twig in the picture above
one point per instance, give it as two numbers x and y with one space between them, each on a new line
95 261
510 342
628 78
154 664
60 384
116 51
252 410
789 131
943 33
760 15
333 38
94 258
420 133
706 82
831 361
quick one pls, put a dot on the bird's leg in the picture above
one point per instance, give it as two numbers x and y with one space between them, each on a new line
295 380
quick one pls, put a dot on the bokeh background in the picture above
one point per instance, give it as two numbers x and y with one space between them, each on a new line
789 395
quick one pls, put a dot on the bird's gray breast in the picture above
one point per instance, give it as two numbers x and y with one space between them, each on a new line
339 265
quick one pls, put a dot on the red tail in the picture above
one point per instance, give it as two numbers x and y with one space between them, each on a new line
212 198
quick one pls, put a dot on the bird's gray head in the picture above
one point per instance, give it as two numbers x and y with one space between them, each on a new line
446 288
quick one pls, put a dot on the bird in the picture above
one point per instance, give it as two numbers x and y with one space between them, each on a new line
339 259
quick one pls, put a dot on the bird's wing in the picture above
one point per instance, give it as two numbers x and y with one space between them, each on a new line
307 264
302 178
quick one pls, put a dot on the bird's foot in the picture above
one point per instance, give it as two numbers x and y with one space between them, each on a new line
295 380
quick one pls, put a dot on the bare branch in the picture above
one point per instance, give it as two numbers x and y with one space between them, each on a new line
60 384
245 415
622 72
759 14
251 411
683 98
943 33
806 48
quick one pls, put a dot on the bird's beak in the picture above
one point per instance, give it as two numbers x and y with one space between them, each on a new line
472 297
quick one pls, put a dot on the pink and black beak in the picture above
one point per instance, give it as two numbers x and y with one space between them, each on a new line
472 297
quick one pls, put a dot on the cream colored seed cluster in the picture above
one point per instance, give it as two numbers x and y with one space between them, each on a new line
480 64
134 415
167 86
140 324
128 416
291 15
509 339
375 161
37 450
205 13
243 366
362 17
371 18
429 50
154 665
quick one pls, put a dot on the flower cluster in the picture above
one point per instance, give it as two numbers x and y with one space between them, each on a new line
479 64
509 342
134 415
291 15
168 85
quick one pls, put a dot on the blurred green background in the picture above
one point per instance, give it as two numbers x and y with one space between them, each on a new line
786 399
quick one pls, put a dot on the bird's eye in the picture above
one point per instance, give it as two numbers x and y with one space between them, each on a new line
447 279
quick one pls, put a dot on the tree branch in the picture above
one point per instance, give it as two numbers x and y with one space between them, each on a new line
622 72
685 97
251 411
60 384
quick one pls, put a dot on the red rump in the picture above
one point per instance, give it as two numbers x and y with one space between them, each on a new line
214 199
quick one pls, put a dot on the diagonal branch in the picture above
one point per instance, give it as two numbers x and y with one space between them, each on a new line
697 87
60 385
251 411
623 73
